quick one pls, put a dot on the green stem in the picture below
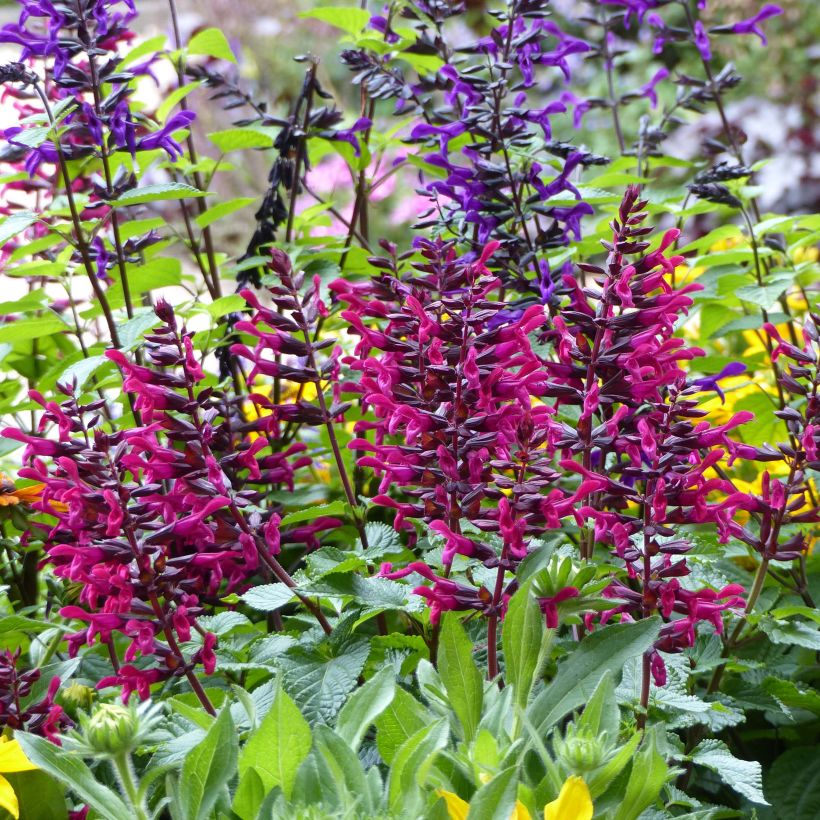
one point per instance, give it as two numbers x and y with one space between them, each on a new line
124 771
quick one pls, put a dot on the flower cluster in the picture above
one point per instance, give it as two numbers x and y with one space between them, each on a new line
640 440
479 132
152 520
19 708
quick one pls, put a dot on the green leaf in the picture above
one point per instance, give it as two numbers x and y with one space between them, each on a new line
236 139
218 212
212 43
132 331
15 224
75 774
81 371
402 718
19 623
496 798
171 99
765 297
460 674
345 766
606 649
207 768
413 761
249 795
24 330
310 513
155 193
790 695
792 632
793 784
744 776
278 747
225 304
351 20
523 637
365 705
646 780
268 597
320 678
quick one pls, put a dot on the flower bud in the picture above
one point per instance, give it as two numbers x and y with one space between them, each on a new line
77 696
580 750
581 753
112 729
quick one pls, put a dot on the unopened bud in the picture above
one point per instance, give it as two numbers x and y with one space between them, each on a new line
112 729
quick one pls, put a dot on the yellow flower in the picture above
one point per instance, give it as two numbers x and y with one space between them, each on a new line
12 760
573 802
457 809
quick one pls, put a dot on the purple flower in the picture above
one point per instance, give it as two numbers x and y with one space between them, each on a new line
751 26
648 90
349 134
702 41
163 139
712 382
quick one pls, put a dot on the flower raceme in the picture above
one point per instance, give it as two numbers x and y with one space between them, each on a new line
151 521
476 431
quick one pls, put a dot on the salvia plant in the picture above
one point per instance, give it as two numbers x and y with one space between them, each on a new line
429 430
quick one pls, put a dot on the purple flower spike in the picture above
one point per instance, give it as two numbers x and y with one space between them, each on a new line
712 382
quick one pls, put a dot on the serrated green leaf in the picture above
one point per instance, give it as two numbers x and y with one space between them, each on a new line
765 297
790 695
744 776
792 633
793 784
132 331
268 597
80 372
319 679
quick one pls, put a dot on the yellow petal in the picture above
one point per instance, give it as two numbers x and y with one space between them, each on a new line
8 799
520 812
12 758
456 807
573 802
